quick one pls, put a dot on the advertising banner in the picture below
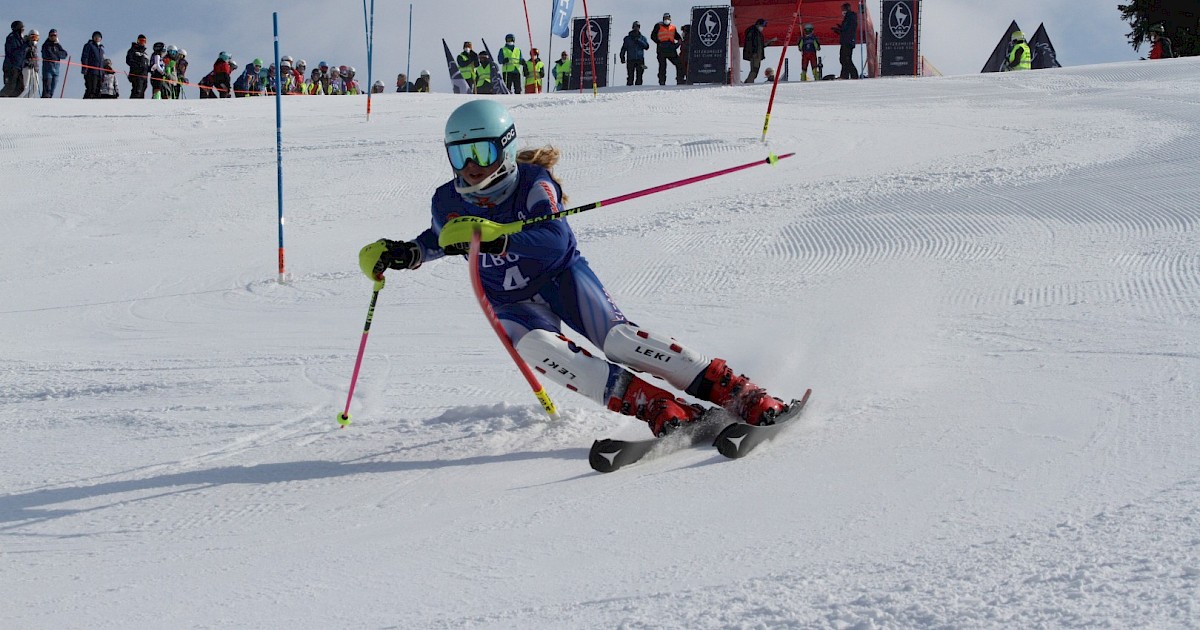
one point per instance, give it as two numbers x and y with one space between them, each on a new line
708 50
593 37
898 56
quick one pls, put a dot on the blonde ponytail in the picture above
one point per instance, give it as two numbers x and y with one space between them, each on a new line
545 157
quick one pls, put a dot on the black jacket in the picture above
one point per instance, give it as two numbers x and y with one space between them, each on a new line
848 29
137 59
755 48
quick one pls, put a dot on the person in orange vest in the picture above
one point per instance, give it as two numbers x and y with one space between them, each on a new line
667 39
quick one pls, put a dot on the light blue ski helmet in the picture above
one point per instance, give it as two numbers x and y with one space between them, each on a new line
483 131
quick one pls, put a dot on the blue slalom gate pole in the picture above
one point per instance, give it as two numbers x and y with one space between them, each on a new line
279 143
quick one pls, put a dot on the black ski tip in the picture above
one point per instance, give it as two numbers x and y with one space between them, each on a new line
729 442
604 453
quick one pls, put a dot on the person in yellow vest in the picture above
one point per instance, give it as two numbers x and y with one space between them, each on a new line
562 72
511 62
1020 57
535 72
467 60
483 74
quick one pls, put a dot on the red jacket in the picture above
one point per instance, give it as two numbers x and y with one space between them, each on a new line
221 67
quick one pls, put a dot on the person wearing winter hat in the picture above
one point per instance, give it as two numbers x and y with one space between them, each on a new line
138 61
13 45
511 62
92 60
667 40
29 67
422 84
53 54
633 55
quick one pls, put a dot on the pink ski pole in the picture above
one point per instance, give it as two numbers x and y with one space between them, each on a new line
344 417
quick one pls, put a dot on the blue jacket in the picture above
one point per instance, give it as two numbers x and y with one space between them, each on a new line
93 55
534 256
633 49
13 47
51 52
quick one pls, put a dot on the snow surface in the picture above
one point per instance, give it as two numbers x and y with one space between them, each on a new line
991 283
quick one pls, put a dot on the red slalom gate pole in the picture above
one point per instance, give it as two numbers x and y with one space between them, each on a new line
477 285
66 75
787 41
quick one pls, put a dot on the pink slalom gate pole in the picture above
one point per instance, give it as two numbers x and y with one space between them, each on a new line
486 306
771 159
779 69
344 417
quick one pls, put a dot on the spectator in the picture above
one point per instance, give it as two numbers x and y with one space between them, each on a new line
535 72
467 61
108 84
483 73
14 44
327 74
170 79
298 71
1019 57
633 55
314 83
53 54
562 70
847 32
287 75
349 84
334 80
29 67
512 61
247 84
93 65
1160 44
769 74
138 61
667 40
181 67
157 69
222 75
809 47
403 84
754 49
378 87
423 82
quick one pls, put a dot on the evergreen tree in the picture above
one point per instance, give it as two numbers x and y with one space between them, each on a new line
1180 20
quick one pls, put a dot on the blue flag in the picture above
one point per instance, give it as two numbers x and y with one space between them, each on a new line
560 18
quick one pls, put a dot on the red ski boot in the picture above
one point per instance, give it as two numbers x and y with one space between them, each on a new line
736 393
657 407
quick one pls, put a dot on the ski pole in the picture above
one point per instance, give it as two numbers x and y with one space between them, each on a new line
488 312
516 226
344 417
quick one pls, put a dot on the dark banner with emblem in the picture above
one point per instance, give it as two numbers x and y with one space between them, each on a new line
582 42
898 56
708 48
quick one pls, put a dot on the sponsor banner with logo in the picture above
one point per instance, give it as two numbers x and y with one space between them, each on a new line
586 39
708 50
899 53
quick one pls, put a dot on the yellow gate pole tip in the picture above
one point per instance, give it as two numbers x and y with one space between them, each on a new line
772 159
343 419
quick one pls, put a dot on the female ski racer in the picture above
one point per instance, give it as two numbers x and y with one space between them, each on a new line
536 280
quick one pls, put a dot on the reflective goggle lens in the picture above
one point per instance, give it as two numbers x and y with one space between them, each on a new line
481 152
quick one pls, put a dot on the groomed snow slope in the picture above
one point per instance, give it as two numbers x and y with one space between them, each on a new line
991 283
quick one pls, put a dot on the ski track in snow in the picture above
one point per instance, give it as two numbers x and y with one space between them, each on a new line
991 283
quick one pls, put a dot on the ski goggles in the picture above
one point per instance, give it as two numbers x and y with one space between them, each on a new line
482 151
